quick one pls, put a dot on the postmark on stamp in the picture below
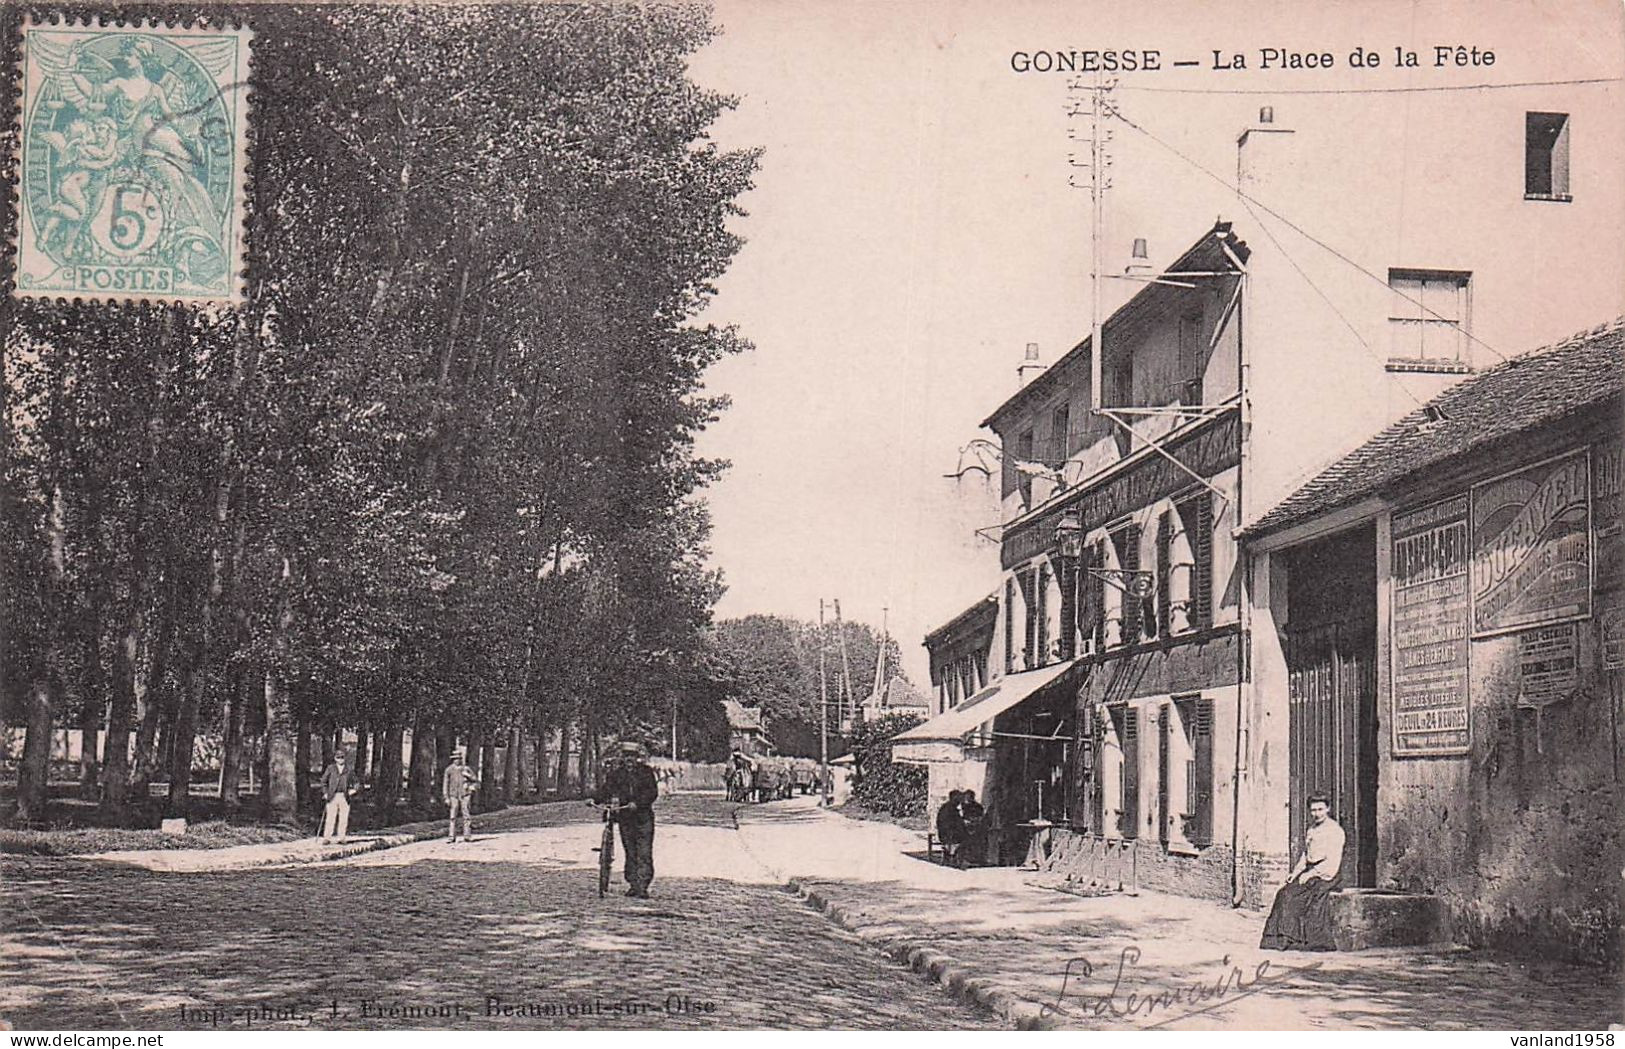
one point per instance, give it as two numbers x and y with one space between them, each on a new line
134 151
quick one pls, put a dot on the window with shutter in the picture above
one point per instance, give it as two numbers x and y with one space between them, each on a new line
1128 557
1041 617
1129 799
1097 595
1069 608
1200 787
1097 786
1164 726
1029 637
1009 626
1196 516
1165 542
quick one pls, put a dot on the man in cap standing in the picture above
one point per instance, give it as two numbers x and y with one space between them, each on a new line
457 786
630 785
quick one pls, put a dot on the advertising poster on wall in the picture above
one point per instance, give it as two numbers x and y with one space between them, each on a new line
1548 665
1607 510
1429 628
1531 536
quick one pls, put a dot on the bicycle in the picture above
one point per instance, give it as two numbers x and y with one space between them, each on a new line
606 848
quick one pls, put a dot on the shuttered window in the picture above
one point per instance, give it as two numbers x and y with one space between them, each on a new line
1009 626
1165 542
1129 797
1069 608
1127 541
1196 517
1097 594
1199 772
1041 616
1164 726
1097 786
1029 638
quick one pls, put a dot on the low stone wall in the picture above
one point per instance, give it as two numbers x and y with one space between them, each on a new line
1088 861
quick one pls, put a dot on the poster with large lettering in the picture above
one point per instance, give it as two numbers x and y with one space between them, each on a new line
1607 482
1531 535
1429 630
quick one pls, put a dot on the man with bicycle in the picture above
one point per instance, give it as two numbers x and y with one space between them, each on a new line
629 786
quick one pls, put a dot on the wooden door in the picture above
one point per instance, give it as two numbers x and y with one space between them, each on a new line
1332 687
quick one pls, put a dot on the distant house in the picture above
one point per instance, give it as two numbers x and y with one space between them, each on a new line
898 697
745 730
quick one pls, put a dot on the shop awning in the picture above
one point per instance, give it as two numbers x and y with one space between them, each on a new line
943 737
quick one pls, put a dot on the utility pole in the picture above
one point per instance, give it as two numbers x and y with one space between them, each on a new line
845 691
823 710
1097 200
1099 165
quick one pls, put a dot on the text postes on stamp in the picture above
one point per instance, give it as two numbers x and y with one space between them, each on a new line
134 149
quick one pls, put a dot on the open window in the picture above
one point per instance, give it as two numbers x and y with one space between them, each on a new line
1546 156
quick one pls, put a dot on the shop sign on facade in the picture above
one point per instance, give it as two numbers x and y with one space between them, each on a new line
1429 630
1531 547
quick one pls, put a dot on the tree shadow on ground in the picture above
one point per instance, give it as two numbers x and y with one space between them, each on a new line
1089 955
96 946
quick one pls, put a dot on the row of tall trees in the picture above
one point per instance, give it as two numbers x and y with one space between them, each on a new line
437 475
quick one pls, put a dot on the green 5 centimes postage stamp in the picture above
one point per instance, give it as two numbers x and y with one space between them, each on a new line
134 149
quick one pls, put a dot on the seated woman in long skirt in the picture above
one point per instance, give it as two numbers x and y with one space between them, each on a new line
1301 919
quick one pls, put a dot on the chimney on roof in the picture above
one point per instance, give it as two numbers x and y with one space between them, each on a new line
1031 367
1261 151
1139 262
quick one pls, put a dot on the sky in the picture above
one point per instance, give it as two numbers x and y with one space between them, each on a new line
912 228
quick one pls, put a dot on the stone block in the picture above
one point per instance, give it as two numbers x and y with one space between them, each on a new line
1365 918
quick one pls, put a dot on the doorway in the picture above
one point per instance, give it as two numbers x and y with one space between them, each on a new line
1331 657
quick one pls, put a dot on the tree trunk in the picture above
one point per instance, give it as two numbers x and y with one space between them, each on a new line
490 782
476 761
329 746
420 781
90 726
445 741
281 752
116 763
584 760
182 738
33 773
232 719
388 783
377 770
362 763
563 768
538 781
301 753
510 765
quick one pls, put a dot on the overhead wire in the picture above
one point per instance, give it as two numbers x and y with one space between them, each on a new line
1295 227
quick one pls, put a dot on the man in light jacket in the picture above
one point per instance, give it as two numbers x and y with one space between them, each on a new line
458 786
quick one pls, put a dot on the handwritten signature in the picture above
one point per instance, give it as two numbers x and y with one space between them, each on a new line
1196 996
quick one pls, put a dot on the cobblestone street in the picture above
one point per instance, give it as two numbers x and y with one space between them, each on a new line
505 933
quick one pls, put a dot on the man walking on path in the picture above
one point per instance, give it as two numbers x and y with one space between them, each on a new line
1301 919
630 785
338 783
457 786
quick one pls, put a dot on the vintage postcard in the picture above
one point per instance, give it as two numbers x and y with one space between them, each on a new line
812 514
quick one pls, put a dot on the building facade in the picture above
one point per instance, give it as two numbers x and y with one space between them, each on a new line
1450 604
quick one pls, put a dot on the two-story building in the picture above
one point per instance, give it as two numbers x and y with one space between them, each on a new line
1138 706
